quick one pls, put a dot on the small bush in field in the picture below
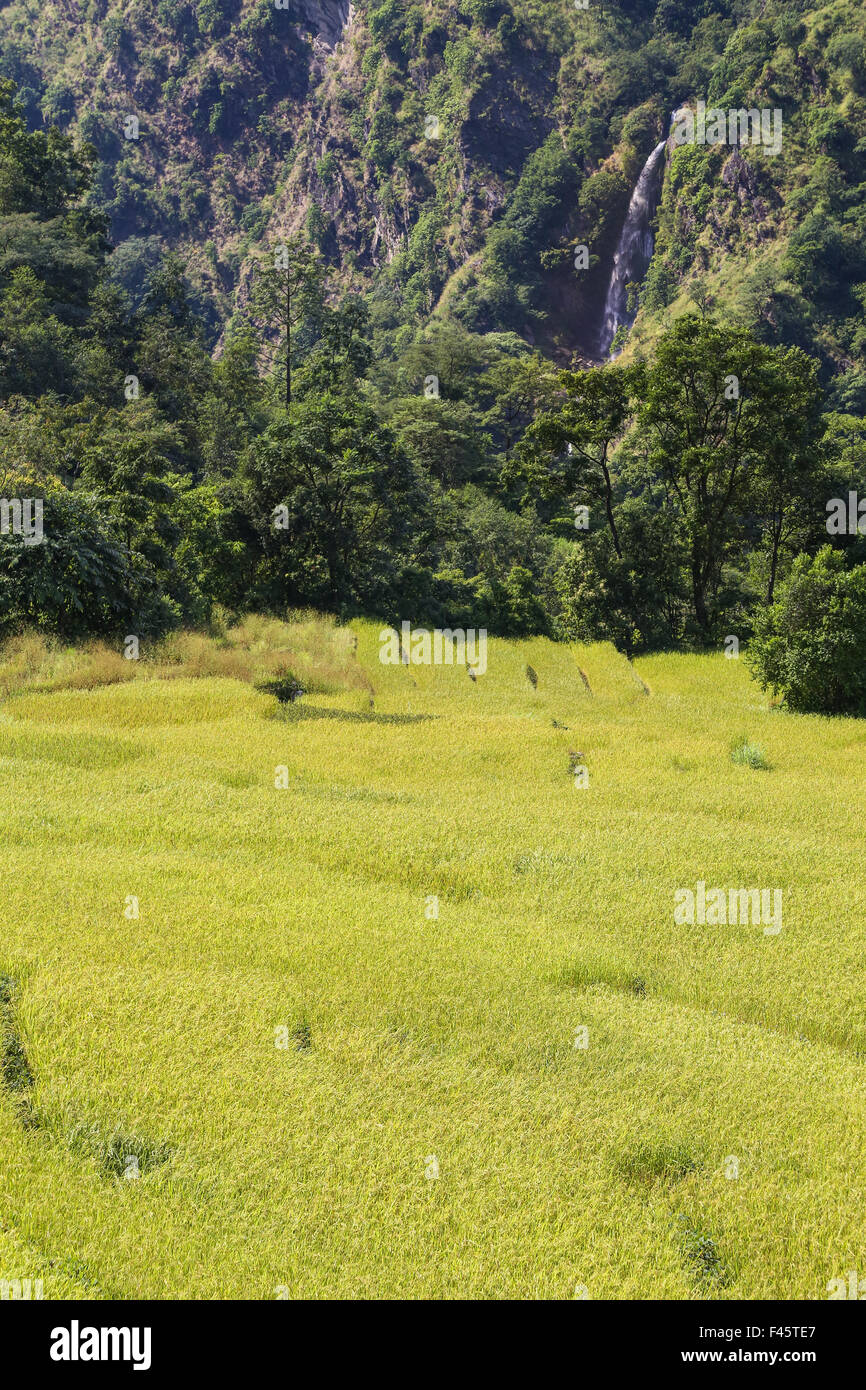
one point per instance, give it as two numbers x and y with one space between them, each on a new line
810 644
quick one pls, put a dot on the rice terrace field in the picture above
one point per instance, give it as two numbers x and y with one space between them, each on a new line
367 995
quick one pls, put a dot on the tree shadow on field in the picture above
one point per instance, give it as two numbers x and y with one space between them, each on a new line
300 712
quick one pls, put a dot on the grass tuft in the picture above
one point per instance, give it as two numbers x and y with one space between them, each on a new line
15 1072
701 1254
656 1160
115 1152
746 754
597 968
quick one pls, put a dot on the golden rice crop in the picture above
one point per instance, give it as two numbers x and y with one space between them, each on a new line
350 999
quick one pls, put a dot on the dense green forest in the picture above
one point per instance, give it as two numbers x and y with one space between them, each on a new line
291 315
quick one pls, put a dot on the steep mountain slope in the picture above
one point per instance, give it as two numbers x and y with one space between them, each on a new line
385 130
453 155
776 240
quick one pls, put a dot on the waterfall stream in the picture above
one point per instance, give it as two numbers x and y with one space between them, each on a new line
635 249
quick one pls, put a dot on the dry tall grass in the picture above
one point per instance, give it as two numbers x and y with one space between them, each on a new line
313 649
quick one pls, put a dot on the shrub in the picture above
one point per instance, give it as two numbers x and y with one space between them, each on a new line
81 580
810 644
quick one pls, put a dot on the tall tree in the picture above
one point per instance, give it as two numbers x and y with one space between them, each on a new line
723 421
786 486
288 285
568 453
332 495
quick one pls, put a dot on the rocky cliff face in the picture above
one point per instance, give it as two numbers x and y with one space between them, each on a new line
328 20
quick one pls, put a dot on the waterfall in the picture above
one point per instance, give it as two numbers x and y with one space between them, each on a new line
635 249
